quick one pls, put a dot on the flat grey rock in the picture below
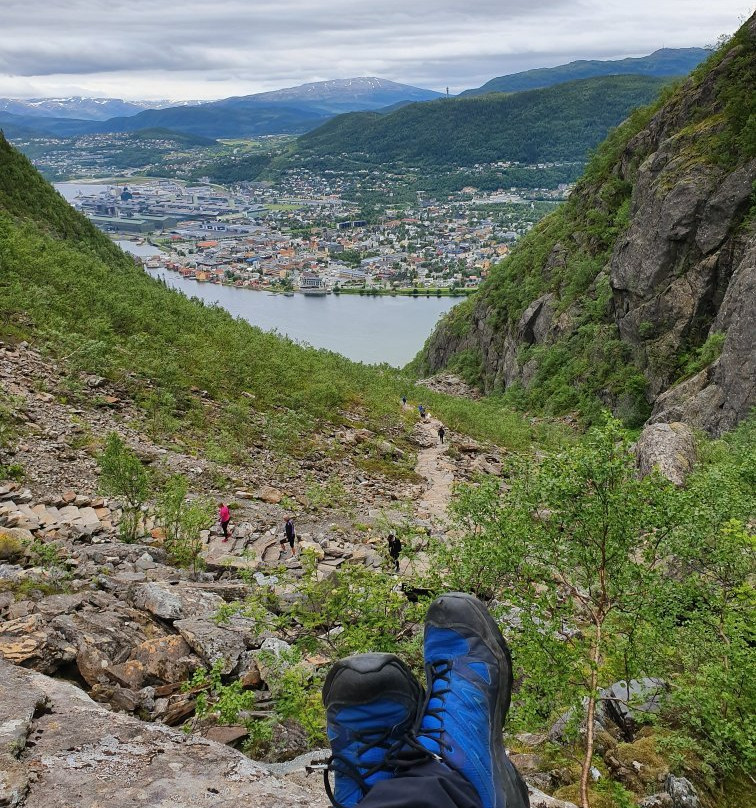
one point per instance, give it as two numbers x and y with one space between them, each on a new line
84 756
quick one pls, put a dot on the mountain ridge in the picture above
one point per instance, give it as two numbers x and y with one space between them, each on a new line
79 107
290 110
662 62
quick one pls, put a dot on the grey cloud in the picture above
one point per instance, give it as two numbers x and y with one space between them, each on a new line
261 44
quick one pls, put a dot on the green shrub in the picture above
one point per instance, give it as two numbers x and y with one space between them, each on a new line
182 522
11 548
122 475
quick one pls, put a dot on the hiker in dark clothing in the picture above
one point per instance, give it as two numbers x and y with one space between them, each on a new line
404 401
290 535
441 433
394 548
421 410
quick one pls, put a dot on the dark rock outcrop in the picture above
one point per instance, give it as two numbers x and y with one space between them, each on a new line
677 271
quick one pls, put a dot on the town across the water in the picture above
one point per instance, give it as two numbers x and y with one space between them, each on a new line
309 239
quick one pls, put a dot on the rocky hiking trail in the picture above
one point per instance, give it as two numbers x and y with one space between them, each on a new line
99 637
435 466
96 645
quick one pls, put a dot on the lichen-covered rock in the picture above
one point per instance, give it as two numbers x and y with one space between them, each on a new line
105 636
166 660
628 703
174 601
31 642
213 643
668 448
538 799
682 792
661 800
84 756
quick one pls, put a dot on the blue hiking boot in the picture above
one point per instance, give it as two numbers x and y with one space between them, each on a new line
372 702
468 668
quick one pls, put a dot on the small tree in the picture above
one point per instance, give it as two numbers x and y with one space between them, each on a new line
122 475
183 522
573 546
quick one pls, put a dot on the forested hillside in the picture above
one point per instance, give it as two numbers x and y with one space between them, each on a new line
554 124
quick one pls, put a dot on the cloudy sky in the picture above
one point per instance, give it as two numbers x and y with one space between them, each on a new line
202 49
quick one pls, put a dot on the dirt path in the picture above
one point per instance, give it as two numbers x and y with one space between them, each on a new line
434 465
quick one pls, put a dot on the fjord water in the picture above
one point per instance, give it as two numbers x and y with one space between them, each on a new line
366 329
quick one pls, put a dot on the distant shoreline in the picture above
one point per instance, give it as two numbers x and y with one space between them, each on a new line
405 292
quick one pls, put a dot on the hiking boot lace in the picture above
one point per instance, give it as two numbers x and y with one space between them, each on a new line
440 671
368 739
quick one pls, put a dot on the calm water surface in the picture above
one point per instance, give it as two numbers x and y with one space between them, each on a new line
365 329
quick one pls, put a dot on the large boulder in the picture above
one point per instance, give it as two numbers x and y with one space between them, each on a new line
31 642
174 601
105 636
85 756
628 704
668 448
164 660
213 643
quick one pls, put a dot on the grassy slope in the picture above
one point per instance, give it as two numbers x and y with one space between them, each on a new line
65 283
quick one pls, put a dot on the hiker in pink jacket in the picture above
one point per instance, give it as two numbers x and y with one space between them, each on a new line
224 515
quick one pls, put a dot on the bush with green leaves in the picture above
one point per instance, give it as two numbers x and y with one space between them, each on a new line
122 475
182 520
603 576
225 701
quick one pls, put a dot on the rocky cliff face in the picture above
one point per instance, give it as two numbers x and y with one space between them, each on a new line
669 224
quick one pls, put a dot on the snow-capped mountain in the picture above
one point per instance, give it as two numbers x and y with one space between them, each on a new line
77 107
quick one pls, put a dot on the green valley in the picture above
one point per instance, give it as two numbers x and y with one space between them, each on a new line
574 446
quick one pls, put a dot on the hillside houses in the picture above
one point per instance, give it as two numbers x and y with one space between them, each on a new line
260 237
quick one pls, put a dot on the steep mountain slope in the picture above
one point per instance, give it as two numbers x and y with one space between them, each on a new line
541 125
663 62
639 292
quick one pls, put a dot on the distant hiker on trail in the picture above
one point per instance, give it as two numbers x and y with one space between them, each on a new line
404 401
394 548
421 411
224 516
441 433
290 535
